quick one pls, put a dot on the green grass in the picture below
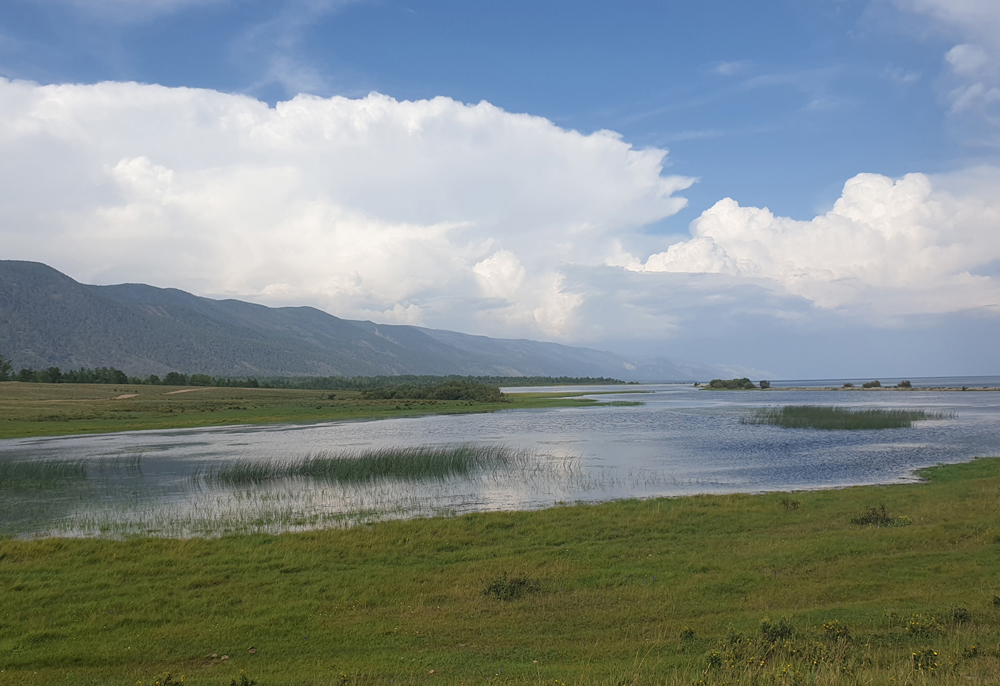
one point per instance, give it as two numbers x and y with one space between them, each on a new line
623 403
839 418
37 409
738 589
409 464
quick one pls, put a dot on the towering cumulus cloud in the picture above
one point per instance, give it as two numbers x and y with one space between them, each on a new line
367 207
908 246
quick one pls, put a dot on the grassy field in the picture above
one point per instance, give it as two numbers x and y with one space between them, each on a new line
793 588
35 409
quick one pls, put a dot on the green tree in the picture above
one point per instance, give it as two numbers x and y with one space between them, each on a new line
50 375
175 379
6 369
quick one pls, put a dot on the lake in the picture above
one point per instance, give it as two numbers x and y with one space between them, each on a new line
681 441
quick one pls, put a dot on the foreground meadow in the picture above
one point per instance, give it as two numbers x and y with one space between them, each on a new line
812 587
37 409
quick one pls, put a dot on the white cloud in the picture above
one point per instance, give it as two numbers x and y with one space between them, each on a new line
432 212
974 63
730 68
887 248
967 59
975 18
500 275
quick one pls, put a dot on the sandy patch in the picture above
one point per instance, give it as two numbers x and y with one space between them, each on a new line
127 395
185 390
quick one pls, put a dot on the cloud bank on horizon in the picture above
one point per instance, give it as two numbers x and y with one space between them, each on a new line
470 217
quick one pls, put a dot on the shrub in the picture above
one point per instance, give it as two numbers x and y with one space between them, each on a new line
731 384
836 631
789 504
765 384
961 615
447 390
876 515
872 384
506 587
925 659
848 384
776 631
919 625
904 384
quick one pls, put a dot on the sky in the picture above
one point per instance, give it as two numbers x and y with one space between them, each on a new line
787 188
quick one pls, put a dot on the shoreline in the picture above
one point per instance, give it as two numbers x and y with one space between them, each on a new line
934 389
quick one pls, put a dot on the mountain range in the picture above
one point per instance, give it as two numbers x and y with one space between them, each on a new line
48 319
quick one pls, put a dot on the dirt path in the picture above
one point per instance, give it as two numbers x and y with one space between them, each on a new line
127 395
185 390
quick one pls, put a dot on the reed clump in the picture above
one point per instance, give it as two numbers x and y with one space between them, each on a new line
408 464
35 473
833 418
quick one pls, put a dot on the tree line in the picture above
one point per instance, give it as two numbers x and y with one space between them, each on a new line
405 383
447 390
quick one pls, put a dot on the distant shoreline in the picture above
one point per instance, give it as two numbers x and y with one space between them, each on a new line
956 389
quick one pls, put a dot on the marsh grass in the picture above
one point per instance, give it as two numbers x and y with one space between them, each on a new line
832 418
35 473
46 473
622 403
406 464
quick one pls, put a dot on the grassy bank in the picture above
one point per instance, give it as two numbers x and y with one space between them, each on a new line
770 589
32 409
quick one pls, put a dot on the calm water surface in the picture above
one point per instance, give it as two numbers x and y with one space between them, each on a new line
682 441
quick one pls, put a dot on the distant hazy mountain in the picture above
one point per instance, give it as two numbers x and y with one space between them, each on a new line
48 319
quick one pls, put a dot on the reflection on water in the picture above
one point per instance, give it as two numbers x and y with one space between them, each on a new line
681 441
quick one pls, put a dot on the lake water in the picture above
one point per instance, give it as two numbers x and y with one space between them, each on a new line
681 441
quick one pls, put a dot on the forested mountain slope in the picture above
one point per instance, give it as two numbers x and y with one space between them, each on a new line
48 319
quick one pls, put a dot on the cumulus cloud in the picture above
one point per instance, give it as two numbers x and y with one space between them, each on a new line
974 63
888 247
433 212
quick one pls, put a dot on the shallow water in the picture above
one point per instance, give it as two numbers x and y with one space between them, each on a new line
682 441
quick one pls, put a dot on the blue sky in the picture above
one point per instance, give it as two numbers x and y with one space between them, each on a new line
773 105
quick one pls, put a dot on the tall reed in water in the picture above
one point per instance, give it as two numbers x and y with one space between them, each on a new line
411 464
839 418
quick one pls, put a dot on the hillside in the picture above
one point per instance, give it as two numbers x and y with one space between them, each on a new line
48 319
